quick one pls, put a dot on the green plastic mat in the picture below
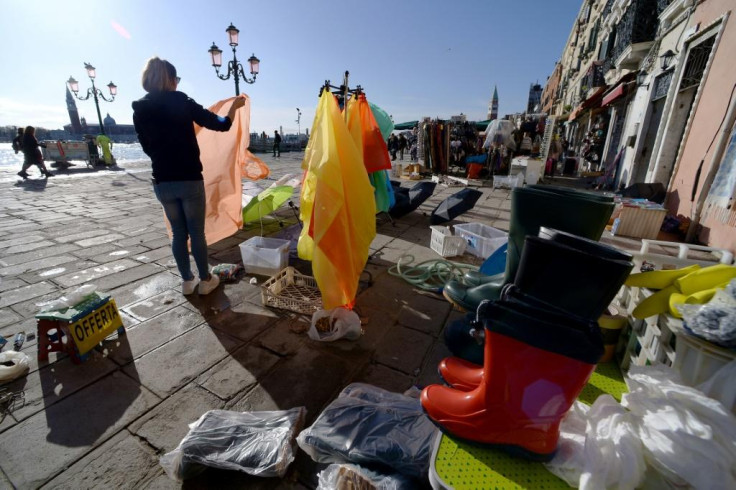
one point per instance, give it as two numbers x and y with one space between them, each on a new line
460 465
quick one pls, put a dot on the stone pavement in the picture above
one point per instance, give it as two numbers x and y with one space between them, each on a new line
106 422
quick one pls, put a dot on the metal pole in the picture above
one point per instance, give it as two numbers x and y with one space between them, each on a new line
97 105
235 70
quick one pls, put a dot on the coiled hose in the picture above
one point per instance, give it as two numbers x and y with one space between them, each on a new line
430 275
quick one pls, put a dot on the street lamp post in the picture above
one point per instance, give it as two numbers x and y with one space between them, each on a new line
94 92
298 122
234 67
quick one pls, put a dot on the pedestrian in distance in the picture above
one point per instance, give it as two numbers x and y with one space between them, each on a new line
393 145
32 153
276 143
164 119
18 141
402 146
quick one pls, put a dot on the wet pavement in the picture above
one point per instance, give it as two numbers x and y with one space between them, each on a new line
105 423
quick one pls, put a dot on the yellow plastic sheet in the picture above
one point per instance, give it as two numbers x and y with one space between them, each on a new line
658 279
226 161
367 135
337 207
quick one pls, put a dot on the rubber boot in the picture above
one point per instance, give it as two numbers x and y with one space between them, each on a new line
558 271
566 220
536 364
581 213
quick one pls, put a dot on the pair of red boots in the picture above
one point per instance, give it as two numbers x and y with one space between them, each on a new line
537 357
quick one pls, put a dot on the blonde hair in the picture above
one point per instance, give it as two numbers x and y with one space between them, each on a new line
158 75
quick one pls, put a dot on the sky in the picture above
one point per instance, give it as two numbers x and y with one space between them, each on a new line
413 58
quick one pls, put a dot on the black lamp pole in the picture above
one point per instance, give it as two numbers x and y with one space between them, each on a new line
234 67
93 92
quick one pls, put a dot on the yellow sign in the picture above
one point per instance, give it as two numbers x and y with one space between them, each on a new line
95 326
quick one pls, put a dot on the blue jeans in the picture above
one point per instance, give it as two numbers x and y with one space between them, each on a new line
184 205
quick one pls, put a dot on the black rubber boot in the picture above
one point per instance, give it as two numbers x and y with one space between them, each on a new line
581 213
559 271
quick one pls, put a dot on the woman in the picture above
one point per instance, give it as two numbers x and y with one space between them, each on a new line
32 153
164 121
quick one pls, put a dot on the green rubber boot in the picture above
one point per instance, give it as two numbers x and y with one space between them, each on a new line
581 213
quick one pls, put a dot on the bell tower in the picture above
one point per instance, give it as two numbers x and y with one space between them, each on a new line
71 107
493 106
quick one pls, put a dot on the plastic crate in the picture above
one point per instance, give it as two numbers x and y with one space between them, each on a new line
639 222
290 290
509 181
444 243
697 359
264 256
481 239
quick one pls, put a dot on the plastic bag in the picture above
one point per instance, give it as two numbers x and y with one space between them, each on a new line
714 321
74 298
686 436
334 324
257 443
371 426
599 447
12 365
227 272
349 476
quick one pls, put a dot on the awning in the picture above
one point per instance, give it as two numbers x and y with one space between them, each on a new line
614 94
589 102
405 125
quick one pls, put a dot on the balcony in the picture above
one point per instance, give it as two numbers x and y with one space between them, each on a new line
592 79
635 33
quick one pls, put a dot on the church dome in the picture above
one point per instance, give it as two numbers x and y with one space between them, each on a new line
109 121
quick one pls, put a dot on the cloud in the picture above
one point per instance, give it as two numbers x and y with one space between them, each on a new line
120 29
14 113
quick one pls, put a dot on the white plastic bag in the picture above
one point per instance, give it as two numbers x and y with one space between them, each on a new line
337 323
343 476
17 365
257 443
687 437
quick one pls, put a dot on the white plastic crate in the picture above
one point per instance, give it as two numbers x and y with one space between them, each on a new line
264 256
697 360
444 243
481 239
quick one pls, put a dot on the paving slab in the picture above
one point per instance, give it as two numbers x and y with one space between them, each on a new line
127 276
429 374
93 273
425 313
30 238
167 424
154 306
27 247
144 288
384 377
48 274
72 236
171 366
37 264
123 462
244 321
403 349
26 293
64 432
51 384
238 373
8 317
118 253
144 337
147 255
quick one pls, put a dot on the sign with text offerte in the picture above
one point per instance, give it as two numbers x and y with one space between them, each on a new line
92 328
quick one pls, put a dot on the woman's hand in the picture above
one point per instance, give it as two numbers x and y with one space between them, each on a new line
237 104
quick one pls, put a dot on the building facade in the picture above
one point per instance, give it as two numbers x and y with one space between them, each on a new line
646 85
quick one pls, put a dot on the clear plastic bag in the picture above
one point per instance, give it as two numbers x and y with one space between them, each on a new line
334 324
714 321
12 365
74 298
257 443
371 426
227 272
350 476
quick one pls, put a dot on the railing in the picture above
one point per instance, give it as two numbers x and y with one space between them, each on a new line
592 79
662 5
637 25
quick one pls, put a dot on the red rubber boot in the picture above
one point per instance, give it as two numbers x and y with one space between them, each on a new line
536 364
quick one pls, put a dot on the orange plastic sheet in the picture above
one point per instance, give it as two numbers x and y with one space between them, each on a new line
226 161
337 207
367 135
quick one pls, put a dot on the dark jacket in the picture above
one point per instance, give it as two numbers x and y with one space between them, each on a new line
32 148
164 123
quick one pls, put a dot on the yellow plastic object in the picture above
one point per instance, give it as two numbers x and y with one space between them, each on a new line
461 465
655 304
658 279
337 207
705 278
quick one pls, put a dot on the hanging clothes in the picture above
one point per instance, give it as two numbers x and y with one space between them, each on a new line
337 207
367 135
